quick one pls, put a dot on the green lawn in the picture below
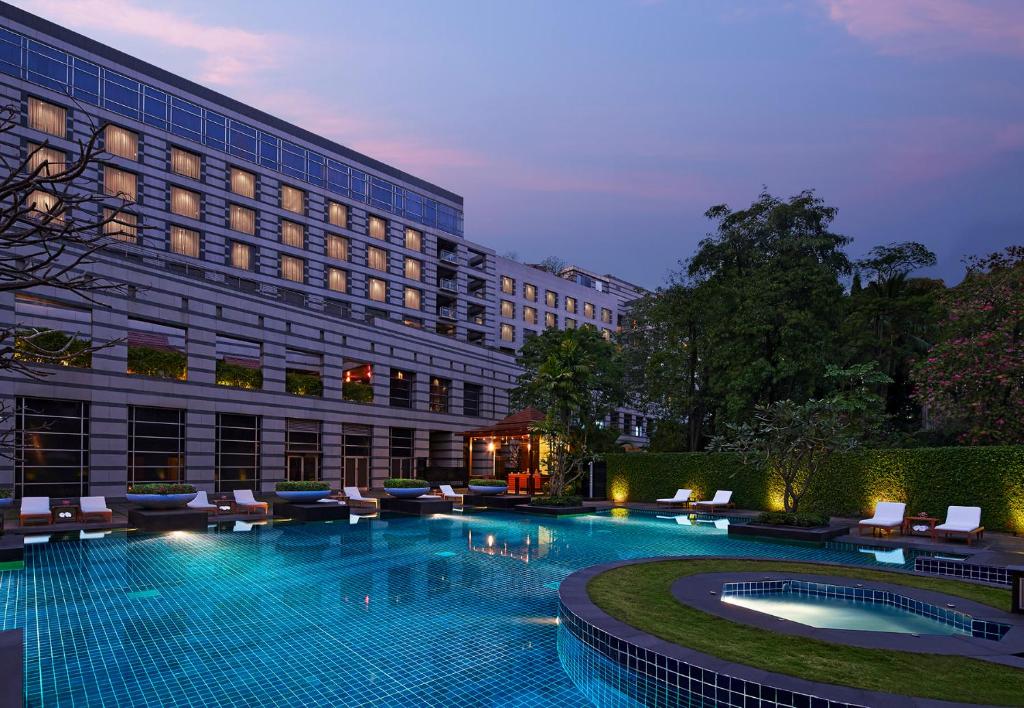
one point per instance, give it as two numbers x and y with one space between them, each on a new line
640 596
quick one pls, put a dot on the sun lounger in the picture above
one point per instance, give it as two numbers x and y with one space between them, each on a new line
723 497
682 497
448 493
35 510
245 500
354 496
94 509
965 520
202 503
888 516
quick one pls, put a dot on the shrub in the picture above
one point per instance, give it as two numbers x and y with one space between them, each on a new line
229 374
5 492
562 500
357 392
161 489
302 486
488 482
38 347
408 483
149 361
802 519
303 383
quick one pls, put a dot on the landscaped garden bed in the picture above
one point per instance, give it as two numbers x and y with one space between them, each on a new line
798 526
564 505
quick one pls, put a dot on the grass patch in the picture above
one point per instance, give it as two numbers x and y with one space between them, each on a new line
640 595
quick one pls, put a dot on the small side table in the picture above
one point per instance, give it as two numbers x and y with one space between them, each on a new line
225 505
909 522
64 512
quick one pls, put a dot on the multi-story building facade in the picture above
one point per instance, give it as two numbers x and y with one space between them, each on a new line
293 309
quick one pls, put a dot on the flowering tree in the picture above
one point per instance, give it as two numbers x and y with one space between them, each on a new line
972 381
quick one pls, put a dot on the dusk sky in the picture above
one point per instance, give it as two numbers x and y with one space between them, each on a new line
600 131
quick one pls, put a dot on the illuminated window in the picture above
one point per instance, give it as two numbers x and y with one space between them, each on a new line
293 269
337 280
570 304
185 241
550 320
570 323
337 247
46 160
46 206
413 269
186 164
508 309
530 292
337 214
530 315
377 289
243 219
606 333
292 234
185 202
47 117
376 258
293 199
588 310
508 333
551 299
378 228
508 285
243 183
241 255
412 298
121 226
118 183
121 142
413 239
606 315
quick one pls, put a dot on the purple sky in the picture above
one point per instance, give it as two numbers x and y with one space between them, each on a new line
600 130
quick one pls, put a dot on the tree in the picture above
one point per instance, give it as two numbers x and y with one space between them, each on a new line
972 380
552 264
792 442
576 377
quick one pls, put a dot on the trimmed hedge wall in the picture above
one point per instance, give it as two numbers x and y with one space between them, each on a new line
927 479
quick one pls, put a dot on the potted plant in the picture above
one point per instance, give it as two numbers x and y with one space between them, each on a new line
307 491
406 488
487 486
6 497
161 496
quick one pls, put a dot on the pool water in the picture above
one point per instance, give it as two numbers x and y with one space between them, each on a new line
450 610
840 613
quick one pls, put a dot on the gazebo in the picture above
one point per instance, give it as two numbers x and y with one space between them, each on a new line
508 450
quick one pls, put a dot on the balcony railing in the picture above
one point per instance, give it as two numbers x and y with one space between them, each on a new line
446 312
448 284
448 256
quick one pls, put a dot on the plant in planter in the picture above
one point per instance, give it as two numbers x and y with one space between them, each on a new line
303 491
562 500
802 519
303 383
6 497
406 488
487 485
357 392
150 361
52 347
229 374
161 496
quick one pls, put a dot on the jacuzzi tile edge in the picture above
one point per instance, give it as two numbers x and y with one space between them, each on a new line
961 569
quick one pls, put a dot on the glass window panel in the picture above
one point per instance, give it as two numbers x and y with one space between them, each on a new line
376 258
292 234
45 206
358 185
378 227
508 285
45 159
186 119
121 142
216 132
121 226
185 202
337 214
413 269
184 242
508 333
412 298
46 66
292 199
337 176
186 164
508 309
293 160
293 269
243 183
317 169
86 82
242 141
337 280
413 239
243 219
10 53
381 194
47 117
241 255
119 183
337 247
154 107
270 149
377 290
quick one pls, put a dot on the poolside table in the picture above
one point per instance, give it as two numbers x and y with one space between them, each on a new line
909 522
64 512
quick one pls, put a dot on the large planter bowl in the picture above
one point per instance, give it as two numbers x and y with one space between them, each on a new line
406 492
161 501
487 489
305 495
6 503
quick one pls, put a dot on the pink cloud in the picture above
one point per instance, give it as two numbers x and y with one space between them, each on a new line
228 54
933 27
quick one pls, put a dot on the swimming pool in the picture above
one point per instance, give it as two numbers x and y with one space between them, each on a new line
454 610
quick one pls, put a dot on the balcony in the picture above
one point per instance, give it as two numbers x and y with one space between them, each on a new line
449 284
448 256
446 312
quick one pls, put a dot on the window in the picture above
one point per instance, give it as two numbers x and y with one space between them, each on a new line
570 323
606 315
550 320
238 452
357 382
337 247
508 333
302 449
293 199
413 239
377 290
376 258
530 292
471 399
401 440
156 350
47 117
118 183
570 304
412 298
530 315
293 269
186 164
439 389
51 447
46 160
413 269
185 241
239 363
121 142
337 214
292 234
402 386
46 206
551 298
243 183
337 280
156 445
185 202
588 310
606 333
121 226
241 255
508 285
378 228
508 309
243 219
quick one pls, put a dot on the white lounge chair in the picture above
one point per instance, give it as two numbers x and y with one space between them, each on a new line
682 497
964 520
723 497
245 499
35 509
447 492
202 503
888 516
92 508
354 496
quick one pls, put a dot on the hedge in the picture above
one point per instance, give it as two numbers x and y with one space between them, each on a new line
926 479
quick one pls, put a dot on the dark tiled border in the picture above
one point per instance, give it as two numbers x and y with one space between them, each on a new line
964 570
